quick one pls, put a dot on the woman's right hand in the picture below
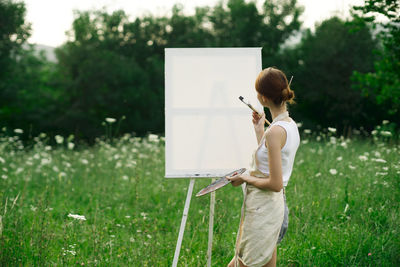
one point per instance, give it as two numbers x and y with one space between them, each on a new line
258 121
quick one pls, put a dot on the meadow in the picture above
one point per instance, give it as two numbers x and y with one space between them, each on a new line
110 205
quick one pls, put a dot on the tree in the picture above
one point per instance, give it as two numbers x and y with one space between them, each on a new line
322 65
13 33
241 24
113 67
383 83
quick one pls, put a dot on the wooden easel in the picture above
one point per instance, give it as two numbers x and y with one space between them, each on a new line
183 224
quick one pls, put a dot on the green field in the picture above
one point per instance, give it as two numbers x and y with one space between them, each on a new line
343 198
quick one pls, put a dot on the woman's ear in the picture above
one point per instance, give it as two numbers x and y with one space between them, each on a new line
265 100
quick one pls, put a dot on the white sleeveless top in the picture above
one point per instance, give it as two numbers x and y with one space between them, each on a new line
288 151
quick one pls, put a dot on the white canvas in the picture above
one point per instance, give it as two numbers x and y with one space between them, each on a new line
208 130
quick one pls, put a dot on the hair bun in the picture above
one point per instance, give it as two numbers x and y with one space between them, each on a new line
287 95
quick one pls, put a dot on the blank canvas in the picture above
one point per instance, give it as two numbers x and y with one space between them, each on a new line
208 130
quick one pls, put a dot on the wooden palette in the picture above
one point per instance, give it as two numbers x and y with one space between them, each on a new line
221 182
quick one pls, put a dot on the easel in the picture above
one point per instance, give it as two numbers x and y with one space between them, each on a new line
183 224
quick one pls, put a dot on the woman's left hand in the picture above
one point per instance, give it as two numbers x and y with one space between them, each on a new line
236 180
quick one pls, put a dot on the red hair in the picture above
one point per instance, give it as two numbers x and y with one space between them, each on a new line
273 84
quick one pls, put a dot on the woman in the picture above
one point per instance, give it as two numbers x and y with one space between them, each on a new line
264 216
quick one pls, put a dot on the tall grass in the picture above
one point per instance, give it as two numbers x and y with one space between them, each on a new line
343 198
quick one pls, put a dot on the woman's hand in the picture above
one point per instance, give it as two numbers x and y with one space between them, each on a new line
237 179
258 121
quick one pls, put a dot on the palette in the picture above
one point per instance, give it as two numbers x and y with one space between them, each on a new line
221 182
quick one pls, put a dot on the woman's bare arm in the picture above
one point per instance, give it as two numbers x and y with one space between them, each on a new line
258 122
275 139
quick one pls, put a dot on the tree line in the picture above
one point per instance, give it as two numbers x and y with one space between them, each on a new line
346 72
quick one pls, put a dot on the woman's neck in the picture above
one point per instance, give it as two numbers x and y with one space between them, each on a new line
275 111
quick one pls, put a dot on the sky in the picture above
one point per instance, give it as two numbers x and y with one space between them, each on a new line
50 19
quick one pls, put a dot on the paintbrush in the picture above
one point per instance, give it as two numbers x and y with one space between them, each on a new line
252 108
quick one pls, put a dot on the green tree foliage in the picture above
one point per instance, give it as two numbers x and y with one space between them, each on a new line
383 83
13 33
112 67
322 65
27 96
242 24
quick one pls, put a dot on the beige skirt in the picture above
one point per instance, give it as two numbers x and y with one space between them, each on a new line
261 220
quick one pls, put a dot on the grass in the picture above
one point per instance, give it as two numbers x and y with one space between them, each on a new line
343 200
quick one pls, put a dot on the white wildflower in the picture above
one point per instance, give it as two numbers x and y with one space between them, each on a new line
377 154
110 120
381 173
77 217
149 236
299 124
318 174
55 169
45 161
153 138
370 209
4 176
385 122
18 131
333 171
304 141
332 130
386 133
339 158
2 160
71 251
71 145
59 139
84 161
363 158
132 239
343 144
19 170
374 132
125 177
379 160
307 131
47 148
385 168
351 167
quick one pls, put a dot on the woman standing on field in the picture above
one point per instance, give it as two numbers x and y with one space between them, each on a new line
264 217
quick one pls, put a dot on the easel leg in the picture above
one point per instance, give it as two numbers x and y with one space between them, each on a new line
183 223
211 227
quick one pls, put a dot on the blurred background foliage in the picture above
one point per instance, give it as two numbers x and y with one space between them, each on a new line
346 72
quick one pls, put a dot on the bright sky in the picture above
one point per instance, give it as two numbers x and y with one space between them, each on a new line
52 18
